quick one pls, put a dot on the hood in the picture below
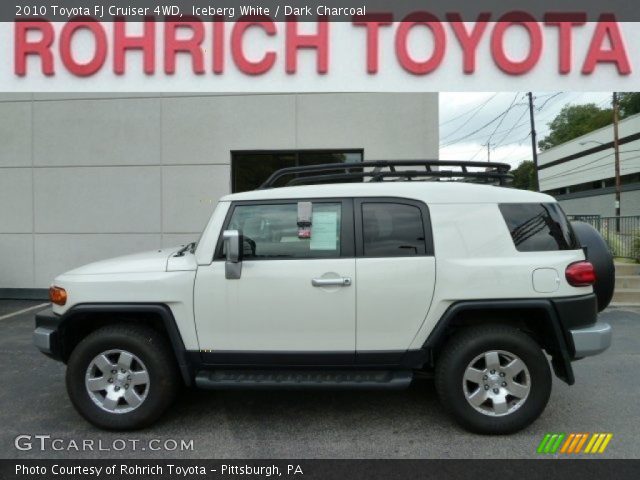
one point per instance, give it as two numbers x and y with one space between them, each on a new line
152 261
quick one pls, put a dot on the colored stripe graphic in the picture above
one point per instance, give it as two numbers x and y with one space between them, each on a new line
543 443
591 442
578 437
599 442
567 442
581 443
573 443
551 442
607 439
556 445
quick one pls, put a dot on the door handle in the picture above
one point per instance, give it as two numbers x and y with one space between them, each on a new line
331 282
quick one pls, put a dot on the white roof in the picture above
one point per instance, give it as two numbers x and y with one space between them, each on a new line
428 192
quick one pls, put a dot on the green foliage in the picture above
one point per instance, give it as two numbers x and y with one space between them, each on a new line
574 121
636 245
614 243
524 176
629 103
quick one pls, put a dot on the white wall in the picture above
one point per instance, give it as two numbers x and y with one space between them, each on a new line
603 205
595 166
90 176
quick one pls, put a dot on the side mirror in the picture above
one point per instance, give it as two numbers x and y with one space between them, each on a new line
233 246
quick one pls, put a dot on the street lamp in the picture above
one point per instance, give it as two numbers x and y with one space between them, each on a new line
616 151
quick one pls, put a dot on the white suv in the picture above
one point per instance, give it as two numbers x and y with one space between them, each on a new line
359 284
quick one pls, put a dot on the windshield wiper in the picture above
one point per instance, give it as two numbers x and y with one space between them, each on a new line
187 248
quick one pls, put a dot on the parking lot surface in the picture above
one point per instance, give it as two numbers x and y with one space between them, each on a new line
249 424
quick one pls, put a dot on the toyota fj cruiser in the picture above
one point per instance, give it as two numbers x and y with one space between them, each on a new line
349 276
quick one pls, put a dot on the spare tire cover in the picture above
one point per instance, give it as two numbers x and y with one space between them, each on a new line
600 257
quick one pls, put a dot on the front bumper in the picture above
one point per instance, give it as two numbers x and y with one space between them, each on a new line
46 336
43 339
591 340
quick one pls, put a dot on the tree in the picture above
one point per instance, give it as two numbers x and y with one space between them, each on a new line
629 103
524 176
574 121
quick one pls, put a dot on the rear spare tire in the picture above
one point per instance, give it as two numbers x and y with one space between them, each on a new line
597 252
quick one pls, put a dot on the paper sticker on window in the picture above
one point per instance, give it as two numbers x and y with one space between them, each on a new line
324 231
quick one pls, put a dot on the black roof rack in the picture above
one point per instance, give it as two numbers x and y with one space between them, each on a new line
381 170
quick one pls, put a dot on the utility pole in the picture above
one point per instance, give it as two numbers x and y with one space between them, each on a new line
617 159
534 147
488 152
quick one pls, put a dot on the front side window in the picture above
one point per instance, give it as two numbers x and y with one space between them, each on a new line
538 227
274 232
392 230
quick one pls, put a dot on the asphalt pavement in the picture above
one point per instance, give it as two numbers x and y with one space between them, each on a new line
249 424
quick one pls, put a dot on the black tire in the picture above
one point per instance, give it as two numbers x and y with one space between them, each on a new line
464 347
155 353
600 257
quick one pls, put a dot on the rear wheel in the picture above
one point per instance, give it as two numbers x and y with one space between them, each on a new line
493 379
122 377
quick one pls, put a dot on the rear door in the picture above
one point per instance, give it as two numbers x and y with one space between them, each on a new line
395 270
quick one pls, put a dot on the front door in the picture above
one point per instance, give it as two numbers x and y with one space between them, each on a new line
295 299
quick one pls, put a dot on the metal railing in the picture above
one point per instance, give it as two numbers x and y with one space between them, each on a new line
622 234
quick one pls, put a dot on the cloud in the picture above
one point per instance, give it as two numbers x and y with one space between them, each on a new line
468 120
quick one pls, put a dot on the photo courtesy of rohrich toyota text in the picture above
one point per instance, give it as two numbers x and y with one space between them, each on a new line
365 239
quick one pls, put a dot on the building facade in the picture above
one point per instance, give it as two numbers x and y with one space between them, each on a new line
90 176
581 173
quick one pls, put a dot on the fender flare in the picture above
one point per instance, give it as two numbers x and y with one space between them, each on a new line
558 345
162 310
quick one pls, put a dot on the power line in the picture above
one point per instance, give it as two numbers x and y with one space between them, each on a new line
471 136
476 154
478 107
457 140
626 169
467 121
552 94
518 144
515 125
484 135
582 169
515 97
548 100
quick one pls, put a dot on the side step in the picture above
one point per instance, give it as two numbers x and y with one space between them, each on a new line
304 379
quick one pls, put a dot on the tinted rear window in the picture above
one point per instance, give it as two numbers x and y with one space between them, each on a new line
538 227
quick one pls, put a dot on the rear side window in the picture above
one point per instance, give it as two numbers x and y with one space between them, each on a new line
392 230
538 227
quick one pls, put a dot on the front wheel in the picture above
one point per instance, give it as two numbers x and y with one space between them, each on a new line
122 377
493 379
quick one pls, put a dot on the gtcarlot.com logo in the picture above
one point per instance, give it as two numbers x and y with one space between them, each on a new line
573 443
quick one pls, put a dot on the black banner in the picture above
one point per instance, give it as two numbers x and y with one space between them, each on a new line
309 10
548 469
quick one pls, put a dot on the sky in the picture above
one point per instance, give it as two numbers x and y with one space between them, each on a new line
465 117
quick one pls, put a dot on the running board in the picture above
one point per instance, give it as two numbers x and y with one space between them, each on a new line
304 379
